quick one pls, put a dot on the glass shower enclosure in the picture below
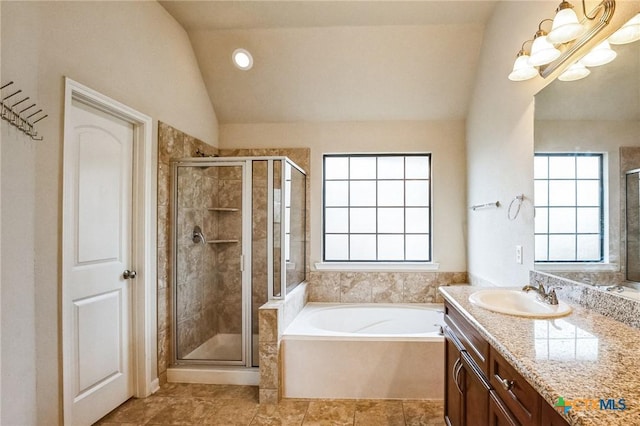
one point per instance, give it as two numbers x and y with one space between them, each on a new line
238 240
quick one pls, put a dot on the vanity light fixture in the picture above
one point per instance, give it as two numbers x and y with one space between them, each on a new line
628 33
575 72
599 55
565 40
542 52
242 59
521 68
566 26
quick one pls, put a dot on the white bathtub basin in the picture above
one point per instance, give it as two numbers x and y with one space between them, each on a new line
517 302
364 351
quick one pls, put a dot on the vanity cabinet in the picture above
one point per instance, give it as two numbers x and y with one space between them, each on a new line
467 389
481 387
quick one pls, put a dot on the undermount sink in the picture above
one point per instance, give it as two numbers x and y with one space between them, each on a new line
517 302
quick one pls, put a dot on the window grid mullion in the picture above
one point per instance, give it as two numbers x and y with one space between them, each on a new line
575 209
376 207
350 207
548 210
404 208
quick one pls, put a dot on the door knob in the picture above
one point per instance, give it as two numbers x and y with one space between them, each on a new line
129 275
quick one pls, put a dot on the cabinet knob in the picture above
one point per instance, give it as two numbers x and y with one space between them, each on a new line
506 384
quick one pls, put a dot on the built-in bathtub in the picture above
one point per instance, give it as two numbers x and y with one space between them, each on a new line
364 351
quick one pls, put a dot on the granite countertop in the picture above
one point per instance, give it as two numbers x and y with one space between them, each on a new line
582 356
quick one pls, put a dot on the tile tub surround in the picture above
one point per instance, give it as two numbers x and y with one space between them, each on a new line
380 287
596 358
274 318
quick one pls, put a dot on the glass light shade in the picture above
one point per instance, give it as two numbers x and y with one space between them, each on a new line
542 52
600 55
628 33
522 70
575 72
566 27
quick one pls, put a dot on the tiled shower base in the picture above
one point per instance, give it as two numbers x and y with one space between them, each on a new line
221 347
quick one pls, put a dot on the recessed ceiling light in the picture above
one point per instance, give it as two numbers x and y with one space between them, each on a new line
242 59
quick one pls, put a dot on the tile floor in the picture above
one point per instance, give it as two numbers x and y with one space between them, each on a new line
195 404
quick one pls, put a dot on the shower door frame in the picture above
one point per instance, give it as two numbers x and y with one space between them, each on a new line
245 257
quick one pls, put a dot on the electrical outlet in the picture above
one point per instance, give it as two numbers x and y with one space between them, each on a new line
519 254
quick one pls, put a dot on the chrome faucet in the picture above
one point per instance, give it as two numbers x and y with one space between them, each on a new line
549 297
618 288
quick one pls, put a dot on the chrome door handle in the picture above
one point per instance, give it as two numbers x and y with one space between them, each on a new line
129 275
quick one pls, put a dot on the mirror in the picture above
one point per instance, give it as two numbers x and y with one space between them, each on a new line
580 204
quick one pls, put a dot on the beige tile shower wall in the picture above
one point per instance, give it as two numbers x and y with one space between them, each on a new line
229 290
300 156
380 287
172 144
259 293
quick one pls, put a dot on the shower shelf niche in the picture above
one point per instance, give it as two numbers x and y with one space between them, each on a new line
222 241
223 209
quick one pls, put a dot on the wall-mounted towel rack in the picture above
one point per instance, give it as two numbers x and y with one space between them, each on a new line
485 205
18 114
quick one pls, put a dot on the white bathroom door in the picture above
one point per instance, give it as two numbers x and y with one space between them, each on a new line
97 271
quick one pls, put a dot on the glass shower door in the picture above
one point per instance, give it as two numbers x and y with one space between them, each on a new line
209 311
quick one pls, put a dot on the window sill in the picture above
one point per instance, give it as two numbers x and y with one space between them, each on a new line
376 267
577 267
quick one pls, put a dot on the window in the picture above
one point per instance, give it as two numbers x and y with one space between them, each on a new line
377 208
569 223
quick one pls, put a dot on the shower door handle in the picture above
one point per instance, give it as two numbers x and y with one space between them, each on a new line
129 275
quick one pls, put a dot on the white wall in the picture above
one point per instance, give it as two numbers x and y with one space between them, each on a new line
133 52
500 128
444 139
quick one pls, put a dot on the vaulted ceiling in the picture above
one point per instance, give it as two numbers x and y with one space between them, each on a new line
337 60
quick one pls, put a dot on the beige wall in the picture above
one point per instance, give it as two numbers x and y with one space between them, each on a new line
500 143
444 139
133 52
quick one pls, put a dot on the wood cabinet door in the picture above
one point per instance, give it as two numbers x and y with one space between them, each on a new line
475 392
550 417
499 415
452 382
